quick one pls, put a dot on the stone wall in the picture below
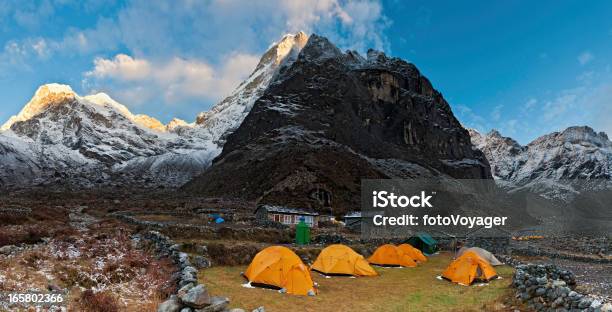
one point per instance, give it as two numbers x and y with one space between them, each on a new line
268 235
547 288
191 296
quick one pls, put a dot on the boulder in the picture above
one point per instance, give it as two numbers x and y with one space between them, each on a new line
170 305
196 297
217 304
184 290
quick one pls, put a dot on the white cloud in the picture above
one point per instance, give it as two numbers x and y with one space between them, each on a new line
173 80
122 67
585 57
583 105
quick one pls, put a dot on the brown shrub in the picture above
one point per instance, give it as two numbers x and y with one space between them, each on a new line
31 259
98 302
31 234
71 276
12 219
160 273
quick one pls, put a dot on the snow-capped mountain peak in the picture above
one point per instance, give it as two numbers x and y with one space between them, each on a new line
45 95
556 159
227 115
176 123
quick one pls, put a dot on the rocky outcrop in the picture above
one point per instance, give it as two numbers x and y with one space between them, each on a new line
331 119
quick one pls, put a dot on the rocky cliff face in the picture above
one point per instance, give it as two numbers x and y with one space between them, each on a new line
330 119
554 163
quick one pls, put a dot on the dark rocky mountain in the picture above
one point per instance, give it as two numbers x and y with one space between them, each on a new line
330 119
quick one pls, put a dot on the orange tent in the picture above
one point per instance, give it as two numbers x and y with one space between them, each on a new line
341 259
468 268
280 267
414 253
391 255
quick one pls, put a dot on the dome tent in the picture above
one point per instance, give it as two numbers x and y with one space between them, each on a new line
483 253
469 268
279 267
391 255
424 242
414 253
341 259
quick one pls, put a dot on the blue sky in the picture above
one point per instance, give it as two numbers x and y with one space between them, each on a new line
524 67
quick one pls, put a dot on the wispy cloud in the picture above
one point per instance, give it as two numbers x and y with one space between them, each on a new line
529 105
172 80
585 57
496 112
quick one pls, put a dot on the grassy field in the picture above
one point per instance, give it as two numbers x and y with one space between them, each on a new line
407 289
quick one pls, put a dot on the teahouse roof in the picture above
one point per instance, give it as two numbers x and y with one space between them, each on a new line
353 214
287 210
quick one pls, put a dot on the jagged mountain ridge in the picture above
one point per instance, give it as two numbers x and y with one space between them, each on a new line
85 141
551 161
331 119
60 137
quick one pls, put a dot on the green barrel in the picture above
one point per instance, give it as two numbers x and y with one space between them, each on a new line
302 233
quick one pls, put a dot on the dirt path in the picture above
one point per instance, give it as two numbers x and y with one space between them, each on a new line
80 220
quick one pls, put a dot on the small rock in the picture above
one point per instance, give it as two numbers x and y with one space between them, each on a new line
190 270
584 303
186 309
558 283
201 263
606 307
53 287
596 304
170 305
237 310
196 297
7 250
201 249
